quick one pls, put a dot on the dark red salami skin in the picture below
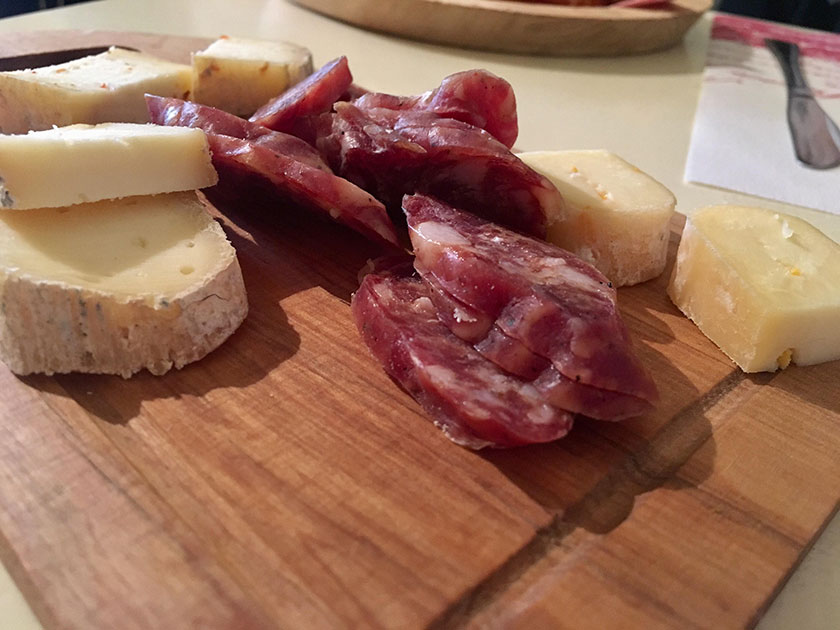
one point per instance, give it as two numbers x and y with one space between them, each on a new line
476 97
467 396
306 185
314 95
174 112
555 304
393 152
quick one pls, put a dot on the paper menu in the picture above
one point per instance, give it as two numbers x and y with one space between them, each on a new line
741 139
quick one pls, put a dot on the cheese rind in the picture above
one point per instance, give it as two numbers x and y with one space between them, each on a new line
616 217
239 75
108 87
763 286
84 163
116 286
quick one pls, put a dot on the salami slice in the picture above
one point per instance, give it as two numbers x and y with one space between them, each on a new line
306 185
174 112
392 152
514 357
314 95
467 396
476 97
555 304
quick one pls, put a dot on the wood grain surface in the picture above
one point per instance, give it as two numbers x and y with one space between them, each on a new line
285 481
522 27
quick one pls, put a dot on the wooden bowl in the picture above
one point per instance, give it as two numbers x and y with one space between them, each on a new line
521 27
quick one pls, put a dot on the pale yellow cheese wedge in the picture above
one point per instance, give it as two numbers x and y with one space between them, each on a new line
239 75
108 87
83 163
764 286
116 286
616 217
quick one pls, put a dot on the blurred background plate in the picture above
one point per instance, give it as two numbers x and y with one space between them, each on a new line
522 27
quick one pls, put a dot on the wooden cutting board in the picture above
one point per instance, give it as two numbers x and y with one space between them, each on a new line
518 26
285 481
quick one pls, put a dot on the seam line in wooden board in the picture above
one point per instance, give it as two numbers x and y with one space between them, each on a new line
148 486
604 507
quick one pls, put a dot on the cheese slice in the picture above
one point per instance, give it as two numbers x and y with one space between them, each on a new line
83 163
108 87
239 75
116 286
764 286
616 217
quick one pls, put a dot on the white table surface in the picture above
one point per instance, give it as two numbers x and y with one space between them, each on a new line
639 107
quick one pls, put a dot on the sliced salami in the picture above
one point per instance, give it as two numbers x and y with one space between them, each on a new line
476 97
174 112
514 357
555 304
306 185
314 95
394 152
468 397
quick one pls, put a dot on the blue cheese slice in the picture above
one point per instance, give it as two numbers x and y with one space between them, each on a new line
108 87
84 163
763 286
116 286
239 75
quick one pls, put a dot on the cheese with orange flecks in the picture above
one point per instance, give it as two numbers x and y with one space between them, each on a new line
763 286
108 87
239 75
616 217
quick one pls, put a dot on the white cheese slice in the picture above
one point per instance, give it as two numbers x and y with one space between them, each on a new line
83 163
616 217
116 286
108 87
765 287
239 75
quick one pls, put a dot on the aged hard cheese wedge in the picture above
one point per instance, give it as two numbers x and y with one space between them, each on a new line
239 75
116 286
108 87
765 287
616 217
83 163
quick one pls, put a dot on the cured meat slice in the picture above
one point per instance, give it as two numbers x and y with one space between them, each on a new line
514 357
556 305
173 112
476 97
467 396
314 95
304 184
393 152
